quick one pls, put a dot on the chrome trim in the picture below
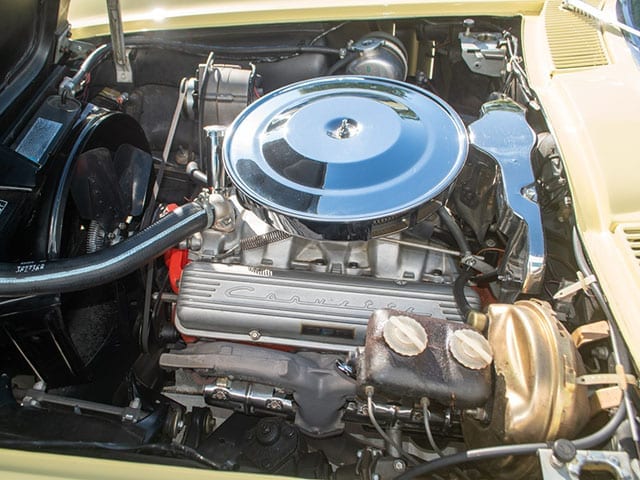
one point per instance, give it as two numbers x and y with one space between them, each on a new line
502 132
214 135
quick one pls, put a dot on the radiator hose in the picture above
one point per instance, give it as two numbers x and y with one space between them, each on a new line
111 263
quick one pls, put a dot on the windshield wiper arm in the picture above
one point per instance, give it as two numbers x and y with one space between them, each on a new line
584 8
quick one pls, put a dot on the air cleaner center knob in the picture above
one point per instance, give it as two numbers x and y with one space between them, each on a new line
343 128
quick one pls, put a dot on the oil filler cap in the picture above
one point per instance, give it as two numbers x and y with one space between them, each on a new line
470 349
405 335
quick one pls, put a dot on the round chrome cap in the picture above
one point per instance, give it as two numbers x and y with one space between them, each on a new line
345 149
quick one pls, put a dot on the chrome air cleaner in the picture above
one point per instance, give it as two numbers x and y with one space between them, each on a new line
345 158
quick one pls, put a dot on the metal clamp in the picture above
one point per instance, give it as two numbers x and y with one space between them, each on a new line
607 379
124 74
554 468
483 52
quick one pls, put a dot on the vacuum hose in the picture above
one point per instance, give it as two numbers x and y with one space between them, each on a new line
104 266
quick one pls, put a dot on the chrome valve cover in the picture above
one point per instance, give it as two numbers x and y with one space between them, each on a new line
302 309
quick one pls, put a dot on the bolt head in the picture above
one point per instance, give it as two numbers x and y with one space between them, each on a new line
564 450
219 394
274 404
254 335
40 385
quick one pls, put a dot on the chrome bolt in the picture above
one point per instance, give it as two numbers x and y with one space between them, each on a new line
255 335
219 395
468 24
209 423
273 404
40 386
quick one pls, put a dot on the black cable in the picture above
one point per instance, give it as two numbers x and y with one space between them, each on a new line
486 277
620 353
219 50
158 448
465 251
327 32
145 329
483 454
230 51
455 231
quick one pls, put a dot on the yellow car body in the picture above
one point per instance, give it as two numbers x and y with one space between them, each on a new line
593 111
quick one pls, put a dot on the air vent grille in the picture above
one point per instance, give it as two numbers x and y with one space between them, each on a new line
632 234
575 40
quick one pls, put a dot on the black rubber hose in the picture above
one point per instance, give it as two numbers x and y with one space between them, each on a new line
342 63
102 51
458 292
79 273
105 49
483 454
455 231
465 251
137 42
485 278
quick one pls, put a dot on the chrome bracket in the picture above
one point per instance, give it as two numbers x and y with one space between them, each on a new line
502 133
124 74
617 464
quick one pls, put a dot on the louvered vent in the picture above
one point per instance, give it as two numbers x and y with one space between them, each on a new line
632 234
575 40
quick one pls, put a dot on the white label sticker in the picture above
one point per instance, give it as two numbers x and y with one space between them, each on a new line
35 143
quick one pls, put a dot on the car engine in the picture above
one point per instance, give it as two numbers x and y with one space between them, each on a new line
325 251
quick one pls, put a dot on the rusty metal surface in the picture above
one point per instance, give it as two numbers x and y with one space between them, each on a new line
434 373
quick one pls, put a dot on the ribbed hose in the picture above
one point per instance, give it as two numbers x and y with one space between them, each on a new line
102 51
79 273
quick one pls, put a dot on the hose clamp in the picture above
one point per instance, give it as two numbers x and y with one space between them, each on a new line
221 215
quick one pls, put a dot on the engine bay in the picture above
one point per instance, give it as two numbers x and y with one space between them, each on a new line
328 250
